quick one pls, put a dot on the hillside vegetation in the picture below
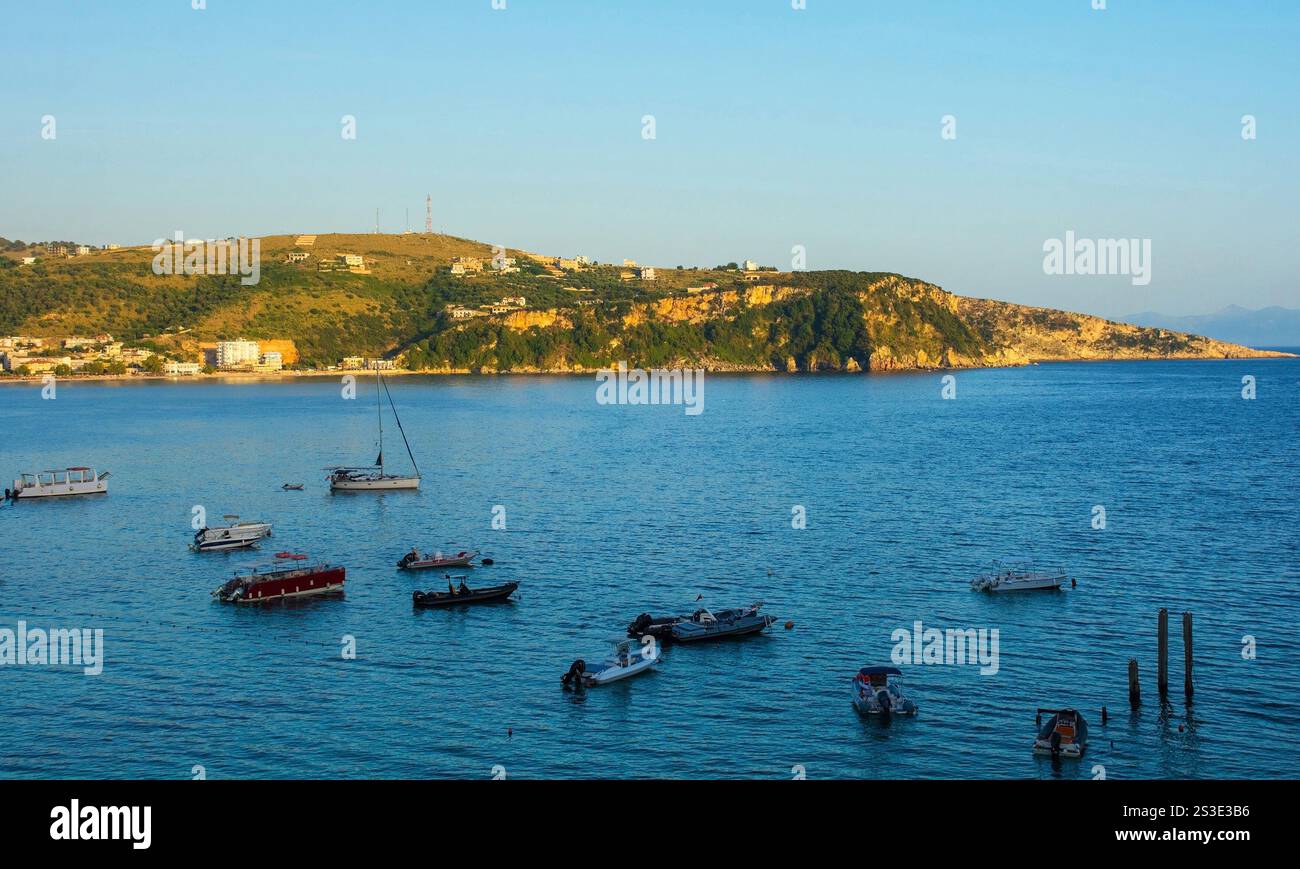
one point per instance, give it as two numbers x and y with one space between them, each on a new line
574 320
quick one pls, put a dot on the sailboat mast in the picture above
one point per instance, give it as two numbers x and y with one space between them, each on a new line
379 410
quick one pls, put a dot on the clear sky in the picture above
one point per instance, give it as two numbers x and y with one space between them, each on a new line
774 127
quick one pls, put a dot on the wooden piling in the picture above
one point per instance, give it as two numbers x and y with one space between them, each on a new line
1162 652
1134 689
1187 654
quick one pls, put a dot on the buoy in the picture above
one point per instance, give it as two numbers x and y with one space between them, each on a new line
1104 715
510 731
1180 728
488 561
789 625
1074 583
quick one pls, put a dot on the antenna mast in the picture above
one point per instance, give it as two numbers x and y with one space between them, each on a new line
428 214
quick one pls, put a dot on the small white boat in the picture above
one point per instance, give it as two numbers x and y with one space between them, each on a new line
877 691
56 484
1020 579
630 658
238 535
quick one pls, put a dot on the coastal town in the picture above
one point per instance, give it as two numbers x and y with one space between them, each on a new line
479 284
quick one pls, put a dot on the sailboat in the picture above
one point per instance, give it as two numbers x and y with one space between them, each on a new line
376 477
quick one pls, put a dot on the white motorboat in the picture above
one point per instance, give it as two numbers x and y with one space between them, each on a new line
57 484
1020 579
238 535
376 478
877 691
630 658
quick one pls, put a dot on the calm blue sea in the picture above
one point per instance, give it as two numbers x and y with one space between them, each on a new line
614 510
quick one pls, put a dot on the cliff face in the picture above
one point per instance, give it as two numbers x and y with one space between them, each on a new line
1045 334
841 323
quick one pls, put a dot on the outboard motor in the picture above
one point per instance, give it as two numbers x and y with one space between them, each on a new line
1055 741
885 701
639 625
574 676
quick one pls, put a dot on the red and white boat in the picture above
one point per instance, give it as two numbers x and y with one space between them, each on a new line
289 576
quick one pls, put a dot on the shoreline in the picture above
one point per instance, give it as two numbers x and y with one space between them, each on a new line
587 372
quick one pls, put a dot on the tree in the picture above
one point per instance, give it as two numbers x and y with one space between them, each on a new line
62 370
116 367
154 365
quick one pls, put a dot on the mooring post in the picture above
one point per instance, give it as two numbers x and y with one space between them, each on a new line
1187 654
1134 689
1162 653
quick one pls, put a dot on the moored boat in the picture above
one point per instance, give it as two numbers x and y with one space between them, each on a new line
58 484
878 691
706 625
1064 734
703 624
1004 579
414 561
289 576
629 659
463 595
376 477
238 535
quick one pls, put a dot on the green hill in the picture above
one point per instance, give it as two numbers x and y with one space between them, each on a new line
574 320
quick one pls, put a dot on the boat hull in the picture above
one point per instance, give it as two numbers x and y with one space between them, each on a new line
610 675
304 584
385 484
497 594
438 564
64 490
233 537
1030 585
689 632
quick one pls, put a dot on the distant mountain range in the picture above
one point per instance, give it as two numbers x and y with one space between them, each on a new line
1267 327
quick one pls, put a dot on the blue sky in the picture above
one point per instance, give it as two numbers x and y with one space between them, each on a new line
774 127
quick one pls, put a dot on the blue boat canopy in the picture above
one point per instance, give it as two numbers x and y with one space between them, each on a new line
881 671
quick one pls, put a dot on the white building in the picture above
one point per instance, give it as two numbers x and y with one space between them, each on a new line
270 361
176 369
29 260
235 354
751 266
646 273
